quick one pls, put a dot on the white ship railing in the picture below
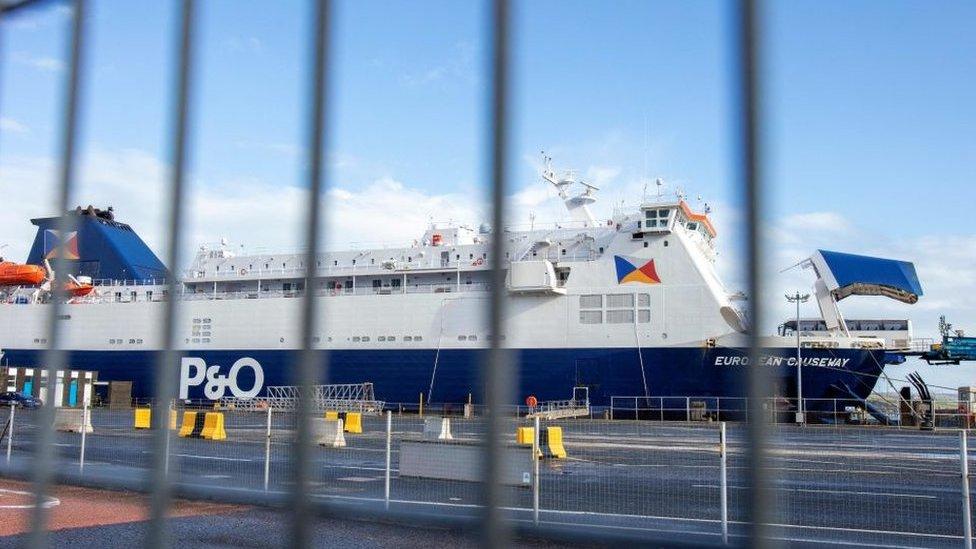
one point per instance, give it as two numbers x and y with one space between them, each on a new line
376 269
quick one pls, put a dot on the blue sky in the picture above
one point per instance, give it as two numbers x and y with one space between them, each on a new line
869 126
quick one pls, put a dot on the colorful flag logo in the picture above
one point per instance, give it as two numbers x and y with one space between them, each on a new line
627 272
52 244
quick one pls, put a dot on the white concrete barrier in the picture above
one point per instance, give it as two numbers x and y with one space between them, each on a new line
437 428
328 432
72 420
463 461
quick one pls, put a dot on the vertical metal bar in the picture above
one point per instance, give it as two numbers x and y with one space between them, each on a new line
535 473
496 372
10 434
389 460
966 508
164 379
311 365
42 464
267 453
84 432
724 483
748 95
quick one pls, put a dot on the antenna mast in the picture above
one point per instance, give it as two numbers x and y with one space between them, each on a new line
578 205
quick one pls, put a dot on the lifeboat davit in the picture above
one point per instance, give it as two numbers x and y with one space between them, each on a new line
14 274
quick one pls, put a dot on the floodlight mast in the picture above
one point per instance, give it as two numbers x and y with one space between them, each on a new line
798 298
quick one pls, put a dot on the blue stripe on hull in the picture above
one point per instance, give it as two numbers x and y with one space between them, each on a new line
549 374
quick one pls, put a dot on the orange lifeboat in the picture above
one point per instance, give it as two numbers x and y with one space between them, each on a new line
75 288
13 274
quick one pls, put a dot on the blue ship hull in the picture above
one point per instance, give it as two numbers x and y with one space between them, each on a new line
399 376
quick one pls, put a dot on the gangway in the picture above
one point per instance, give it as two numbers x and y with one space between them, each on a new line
578 406
347 397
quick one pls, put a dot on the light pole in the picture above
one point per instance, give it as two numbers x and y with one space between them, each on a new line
798 298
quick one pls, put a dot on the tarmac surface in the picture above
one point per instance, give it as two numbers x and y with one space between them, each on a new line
846 485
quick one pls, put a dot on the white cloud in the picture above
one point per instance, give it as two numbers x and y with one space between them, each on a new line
242 44
13 126
459 65
38 62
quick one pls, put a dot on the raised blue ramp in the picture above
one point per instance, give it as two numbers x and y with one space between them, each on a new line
850 274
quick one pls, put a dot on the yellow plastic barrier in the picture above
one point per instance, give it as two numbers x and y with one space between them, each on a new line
553 445
189 423
353 422
213 426
331 415
525 435
143 419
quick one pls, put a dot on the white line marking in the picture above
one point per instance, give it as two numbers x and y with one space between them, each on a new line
810 490
214 458
48 503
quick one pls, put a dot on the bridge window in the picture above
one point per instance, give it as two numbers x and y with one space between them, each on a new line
591 317
643 300
643 316
620 300
623 316
591 301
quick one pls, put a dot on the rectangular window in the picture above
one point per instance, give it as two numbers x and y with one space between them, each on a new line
617 301
624 316
591 301
591 317
643 300
643 316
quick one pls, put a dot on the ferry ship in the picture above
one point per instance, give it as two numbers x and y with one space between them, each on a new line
629 306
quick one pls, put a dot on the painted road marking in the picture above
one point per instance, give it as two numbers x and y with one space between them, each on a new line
48 500
810 490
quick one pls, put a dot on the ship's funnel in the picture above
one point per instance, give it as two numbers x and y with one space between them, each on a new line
100 247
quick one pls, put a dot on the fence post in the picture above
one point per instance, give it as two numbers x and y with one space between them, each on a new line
966 510
389 451
267 452
724 487
84 430
10 433
535 473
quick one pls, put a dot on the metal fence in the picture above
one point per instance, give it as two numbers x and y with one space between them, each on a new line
689 487
670 480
